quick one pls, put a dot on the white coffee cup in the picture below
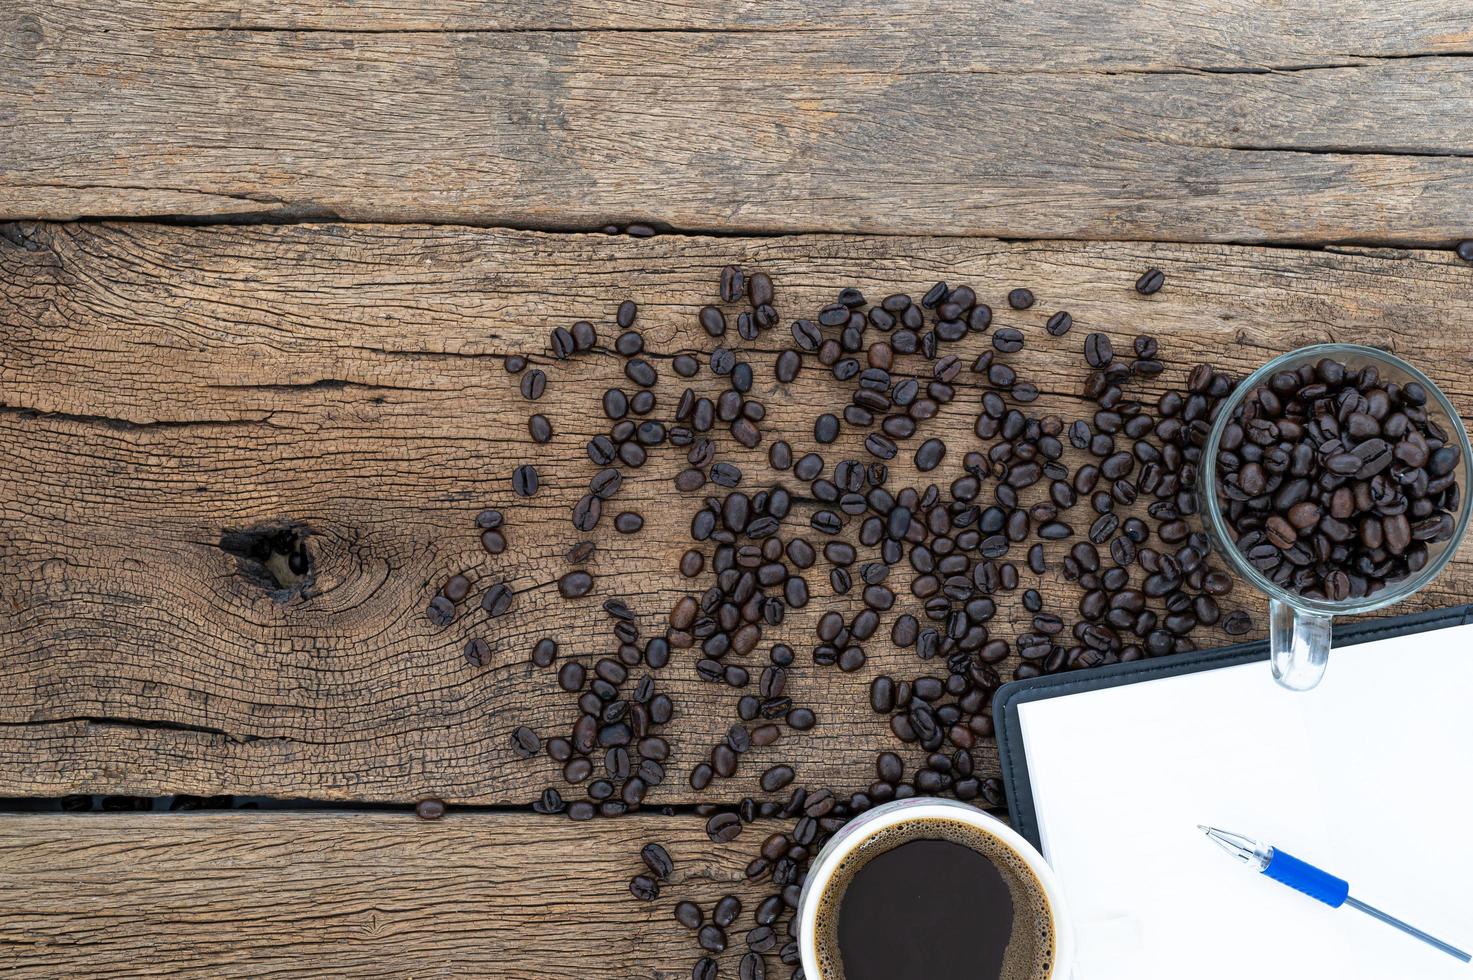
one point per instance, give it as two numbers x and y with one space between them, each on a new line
864 827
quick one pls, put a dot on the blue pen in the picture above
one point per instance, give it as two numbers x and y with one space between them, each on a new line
1317 884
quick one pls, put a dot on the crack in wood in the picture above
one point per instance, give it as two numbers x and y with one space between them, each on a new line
1341 149
554 229
450 31
324 384
127 425
144 723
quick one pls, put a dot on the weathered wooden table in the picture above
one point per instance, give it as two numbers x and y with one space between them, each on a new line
264 269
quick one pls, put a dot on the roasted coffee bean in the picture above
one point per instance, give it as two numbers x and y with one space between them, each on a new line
644 888
657 859
575 584
584 335
1007 340
723 828
429 809
688 914
626 314
640 372
544 652
497 599
539 428
562 342
524 480
1020 299
477 652
759 289
455 588
586 512
525 743
1150 282
776 778
711 938
1097 350
728 907
533 384
733 284
712 321
1059 324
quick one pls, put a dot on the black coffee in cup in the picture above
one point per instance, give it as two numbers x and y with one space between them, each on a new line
934 899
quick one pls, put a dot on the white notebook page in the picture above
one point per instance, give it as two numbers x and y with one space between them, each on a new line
1369 776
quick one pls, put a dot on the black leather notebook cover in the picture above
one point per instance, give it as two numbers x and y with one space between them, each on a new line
1005 703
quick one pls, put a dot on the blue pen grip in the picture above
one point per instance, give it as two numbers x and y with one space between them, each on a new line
1306 878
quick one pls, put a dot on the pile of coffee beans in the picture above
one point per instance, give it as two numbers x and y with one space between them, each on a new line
1335 481
961 571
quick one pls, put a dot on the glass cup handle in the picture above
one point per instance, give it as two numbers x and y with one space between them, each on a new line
1299 645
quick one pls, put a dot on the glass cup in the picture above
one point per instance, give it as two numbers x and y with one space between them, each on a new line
1299 627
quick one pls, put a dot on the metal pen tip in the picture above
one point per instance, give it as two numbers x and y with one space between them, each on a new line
1241 848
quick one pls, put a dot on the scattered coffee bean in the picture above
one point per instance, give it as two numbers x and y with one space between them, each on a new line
497 600
575 584
689 915
533 384
1133 549
644 888
724 828
478 652
657 859
1150 282
524 480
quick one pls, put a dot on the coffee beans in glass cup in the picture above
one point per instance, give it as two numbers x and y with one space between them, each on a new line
1334 479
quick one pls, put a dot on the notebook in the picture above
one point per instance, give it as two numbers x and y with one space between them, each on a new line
1369 776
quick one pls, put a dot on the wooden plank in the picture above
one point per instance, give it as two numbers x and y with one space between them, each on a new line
355 894
1221 34
1221 122
163 384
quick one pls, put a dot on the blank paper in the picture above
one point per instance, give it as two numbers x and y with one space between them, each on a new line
1367 777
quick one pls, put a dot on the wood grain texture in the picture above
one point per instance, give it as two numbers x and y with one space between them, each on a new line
355 894
1226 33
1303 122
163 384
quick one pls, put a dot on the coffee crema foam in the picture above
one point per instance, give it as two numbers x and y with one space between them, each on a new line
1030 951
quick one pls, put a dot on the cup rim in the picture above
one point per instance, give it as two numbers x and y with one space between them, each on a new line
1218 524
887 815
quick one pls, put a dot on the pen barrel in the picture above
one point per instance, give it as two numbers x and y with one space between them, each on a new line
1317 884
